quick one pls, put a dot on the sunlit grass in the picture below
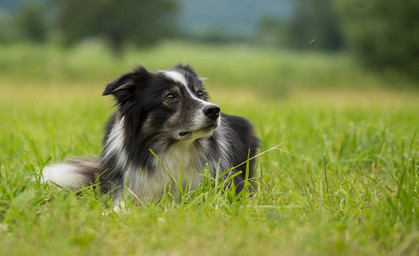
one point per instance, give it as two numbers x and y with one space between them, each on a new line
344 182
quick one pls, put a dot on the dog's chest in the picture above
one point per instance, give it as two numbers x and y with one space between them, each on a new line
180 165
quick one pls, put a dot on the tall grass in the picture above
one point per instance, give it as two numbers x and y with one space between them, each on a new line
343 182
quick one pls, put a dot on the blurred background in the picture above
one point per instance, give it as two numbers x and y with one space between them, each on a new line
276 45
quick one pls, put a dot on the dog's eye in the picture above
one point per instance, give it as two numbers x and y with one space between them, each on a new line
170 97
200 95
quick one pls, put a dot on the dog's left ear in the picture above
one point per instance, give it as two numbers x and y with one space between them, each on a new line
119 84
127 82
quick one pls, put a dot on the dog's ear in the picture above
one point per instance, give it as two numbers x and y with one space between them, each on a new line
127 82
123 82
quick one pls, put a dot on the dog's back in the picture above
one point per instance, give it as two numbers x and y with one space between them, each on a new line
244 146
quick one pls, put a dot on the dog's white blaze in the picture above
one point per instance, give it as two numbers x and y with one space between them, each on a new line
176 76
115 143
65 175
180 78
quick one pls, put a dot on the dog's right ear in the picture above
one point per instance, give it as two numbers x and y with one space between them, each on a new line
127 82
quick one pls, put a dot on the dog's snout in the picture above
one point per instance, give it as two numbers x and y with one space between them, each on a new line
212 111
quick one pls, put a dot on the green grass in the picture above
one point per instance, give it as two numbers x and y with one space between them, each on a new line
344 183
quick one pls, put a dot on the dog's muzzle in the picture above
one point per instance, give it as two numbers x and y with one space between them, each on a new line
212 113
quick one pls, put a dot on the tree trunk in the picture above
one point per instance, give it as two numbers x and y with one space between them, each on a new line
116 42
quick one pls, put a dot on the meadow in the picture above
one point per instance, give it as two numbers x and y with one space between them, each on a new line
343 181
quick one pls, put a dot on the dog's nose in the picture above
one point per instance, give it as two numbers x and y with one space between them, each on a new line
212 111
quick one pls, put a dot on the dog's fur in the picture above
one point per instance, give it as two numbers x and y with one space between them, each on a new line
164 114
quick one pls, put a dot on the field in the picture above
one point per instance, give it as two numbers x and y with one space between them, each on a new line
344 180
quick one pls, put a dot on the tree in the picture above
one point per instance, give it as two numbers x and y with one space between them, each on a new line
142 22
383 33
31 23
315 25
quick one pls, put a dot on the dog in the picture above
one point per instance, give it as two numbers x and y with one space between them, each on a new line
164 129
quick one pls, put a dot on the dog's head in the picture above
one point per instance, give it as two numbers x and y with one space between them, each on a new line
172 104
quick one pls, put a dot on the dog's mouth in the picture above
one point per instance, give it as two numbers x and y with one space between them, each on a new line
206 129
181 134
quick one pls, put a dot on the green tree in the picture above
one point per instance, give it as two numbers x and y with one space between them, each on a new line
31 24
314 25
143 22
383 33
7 31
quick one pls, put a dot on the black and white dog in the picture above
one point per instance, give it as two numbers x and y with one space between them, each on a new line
164 114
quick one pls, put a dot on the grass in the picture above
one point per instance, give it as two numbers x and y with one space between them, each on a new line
344 182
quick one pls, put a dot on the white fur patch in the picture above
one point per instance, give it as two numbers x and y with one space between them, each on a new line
180 166
175 76
64 174
115 143
224 146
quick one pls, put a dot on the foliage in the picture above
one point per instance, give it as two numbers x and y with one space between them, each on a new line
142 22
7 30
315 26
384 34
31 22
